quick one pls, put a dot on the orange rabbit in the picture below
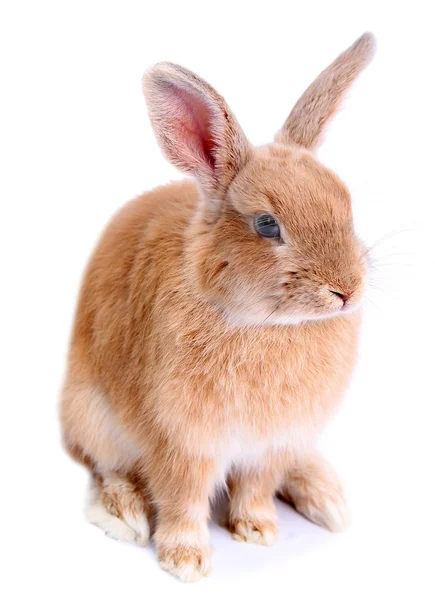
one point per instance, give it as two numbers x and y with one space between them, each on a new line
217 327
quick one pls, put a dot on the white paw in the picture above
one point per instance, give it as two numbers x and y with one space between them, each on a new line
263 533
186 563
140 525
131 528
329 512
113 527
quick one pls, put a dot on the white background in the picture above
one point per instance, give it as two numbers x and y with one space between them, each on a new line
75 144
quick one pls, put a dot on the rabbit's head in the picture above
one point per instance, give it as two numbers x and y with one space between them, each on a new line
272 241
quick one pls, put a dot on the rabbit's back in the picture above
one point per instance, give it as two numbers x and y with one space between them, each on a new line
141 247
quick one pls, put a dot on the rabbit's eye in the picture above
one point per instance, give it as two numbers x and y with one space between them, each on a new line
267 226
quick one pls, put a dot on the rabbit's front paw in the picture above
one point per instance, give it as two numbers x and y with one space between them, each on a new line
188 563
254 531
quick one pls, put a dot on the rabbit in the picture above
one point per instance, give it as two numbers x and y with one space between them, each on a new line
217 327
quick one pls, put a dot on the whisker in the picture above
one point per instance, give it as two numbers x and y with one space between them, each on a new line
391 264
386 238
375 285
269 315
372 301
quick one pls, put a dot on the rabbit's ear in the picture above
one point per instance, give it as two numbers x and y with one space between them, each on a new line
194 126
319 102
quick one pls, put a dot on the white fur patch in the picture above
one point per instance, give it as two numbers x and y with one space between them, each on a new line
134 529
245 532
198 512
188 571
141 527
243 450
194 538
98 515
98 430
333 515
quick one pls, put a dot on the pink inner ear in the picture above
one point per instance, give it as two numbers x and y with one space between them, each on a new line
189 118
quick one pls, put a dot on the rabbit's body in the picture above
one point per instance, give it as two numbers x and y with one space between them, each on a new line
206 354
208 379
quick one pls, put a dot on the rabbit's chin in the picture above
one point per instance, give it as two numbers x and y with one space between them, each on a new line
285 317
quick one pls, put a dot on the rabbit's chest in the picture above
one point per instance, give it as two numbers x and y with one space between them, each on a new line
249 395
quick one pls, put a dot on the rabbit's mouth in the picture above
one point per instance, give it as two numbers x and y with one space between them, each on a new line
282 310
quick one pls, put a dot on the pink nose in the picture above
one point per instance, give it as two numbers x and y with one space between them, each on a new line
343 297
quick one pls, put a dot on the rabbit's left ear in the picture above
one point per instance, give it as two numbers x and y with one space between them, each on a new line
311 113
194 127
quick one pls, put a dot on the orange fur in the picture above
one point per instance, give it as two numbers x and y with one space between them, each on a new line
204 353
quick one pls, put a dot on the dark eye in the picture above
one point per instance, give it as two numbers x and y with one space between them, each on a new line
267 226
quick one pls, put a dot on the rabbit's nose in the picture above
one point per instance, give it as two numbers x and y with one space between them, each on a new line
343 297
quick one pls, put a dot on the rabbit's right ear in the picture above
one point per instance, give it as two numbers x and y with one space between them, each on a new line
194 126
